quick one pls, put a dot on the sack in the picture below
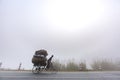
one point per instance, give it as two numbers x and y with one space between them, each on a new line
41 52
39 61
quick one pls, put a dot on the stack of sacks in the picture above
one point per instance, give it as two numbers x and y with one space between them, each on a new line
40 58
41 52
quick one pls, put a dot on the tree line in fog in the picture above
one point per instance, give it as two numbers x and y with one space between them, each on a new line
96 65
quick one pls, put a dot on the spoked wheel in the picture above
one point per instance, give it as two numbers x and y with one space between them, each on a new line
35 69
38 69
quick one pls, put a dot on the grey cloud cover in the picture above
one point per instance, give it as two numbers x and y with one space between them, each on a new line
25 27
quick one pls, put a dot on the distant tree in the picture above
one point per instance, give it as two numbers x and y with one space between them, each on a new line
96 65
82 66
72 66
106 65
57 64
0 64
118 65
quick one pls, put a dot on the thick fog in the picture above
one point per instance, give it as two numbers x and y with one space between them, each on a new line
79 29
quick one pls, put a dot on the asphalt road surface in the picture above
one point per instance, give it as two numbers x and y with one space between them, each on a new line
27 75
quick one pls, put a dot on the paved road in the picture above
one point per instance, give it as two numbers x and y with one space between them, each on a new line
15 75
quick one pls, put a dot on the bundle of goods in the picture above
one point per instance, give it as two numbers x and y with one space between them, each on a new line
40 58
41 52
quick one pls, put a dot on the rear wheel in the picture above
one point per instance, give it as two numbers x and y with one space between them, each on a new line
35 69
38 69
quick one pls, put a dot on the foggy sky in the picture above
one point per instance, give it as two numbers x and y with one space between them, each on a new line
27 26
